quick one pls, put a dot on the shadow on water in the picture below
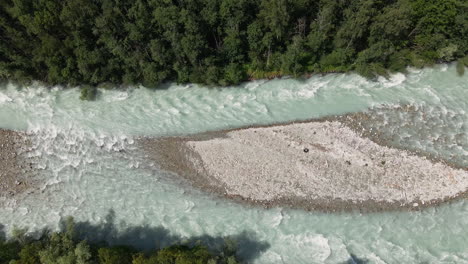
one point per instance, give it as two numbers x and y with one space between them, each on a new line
148 238
355 260
2 233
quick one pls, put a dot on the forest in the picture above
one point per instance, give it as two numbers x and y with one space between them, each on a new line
65 247
223 42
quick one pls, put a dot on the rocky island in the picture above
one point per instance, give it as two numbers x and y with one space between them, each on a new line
322 164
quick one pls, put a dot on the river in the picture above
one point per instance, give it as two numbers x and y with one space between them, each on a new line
89 165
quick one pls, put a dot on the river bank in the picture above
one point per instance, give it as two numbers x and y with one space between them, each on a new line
15 168
329 164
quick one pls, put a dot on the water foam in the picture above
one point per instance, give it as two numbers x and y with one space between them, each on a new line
89 163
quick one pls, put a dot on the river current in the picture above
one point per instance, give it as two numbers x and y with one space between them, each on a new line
89 165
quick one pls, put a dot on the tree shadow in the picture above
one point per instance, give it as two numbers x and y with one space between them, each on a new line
2 233
353 259
148 238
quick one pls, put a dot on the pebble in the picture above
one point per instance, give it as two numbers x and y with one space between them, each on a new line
11 163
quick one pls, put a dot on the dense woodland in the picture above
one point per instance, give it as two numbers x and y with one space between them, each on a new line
65 248
222 42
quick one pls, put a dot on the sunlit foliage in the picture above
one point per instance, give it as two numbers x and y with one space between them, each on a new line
222 42
65 248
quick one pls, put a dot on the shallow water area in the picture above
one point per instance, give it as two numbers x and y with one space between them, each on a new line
86 155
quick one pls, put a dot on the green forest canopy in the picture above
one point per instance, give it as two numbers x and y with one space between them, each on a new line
222 42
65 248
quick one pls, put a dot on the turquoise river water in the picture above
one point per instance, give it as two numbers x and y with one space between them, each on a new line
89 164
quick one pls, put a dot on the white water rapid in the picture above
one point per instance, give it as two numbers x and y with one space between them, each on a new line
89 164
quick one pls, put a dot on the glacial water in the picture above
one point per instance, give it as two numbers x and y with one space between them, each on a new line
89 165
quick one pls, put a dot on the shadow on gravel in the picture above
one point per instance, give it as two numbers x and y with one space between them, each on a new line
148 238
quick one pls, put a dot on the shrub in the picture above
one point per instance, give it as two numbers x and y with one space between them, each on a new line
460 67
88 93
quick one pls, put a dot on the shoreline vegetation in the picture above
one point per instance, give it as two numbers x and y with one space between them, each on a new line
109 42
66 246
330 164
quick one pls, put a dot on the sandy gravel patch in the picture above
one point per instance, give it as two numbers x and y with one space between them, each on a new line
323 165
15 169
